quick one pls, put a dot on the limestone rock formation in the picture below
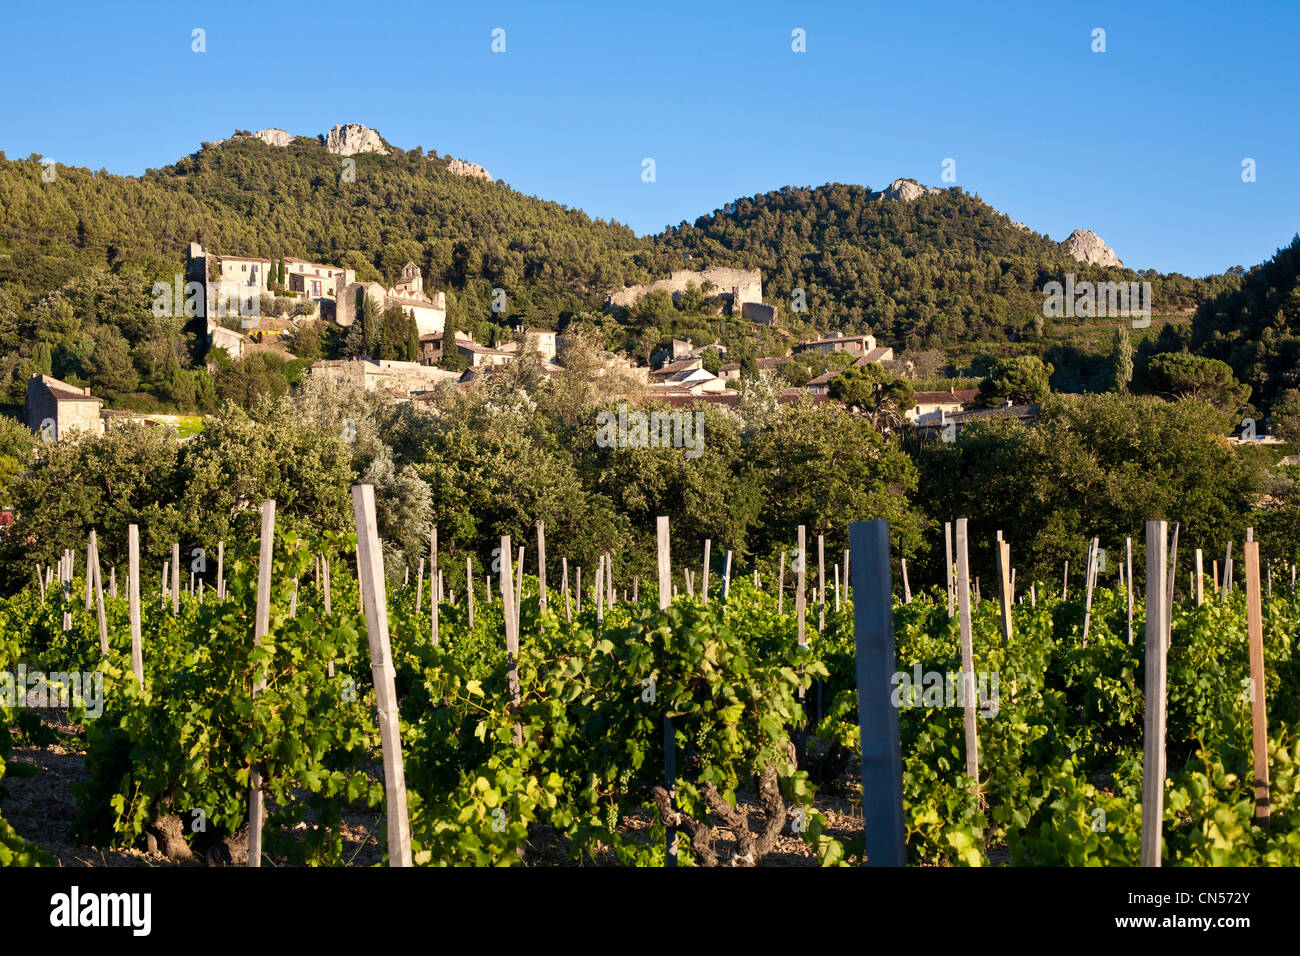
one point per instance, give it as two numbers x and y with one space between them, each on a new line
905 190
351 138
472 170
1021 226
273 137
1086 246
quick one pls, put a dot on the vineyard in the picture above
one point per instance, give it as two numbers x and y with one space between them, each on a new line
602 726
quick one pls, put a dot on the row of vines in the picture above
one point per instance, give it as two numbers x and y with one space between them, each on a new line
755 717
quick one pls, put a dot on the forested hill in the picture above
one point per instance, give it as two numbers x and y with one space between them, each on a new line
244 196
940 269
1256 329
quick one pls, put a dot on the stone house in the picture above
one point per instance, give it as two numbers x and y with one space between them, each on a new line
859 346
932 407
56 410
407 293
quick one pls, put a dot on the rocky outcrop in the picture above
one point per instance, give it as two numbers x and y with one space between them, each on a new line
1086 246
905 190
273 137
351 138
472 170
1021 226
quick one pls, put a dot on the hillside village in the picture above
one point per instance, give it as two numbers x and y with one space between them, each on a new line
237 288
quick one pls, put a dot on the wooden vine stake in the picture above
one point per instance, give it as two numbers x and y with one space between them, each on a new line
800 601
780 585
541 564
704 581
564 586
1128 585
967 658
133 601
381 669
512 631
947 566
1004 585
670 742
261 624
435 592
1090 571
176 577
726 577
1258 712
221 573
89 577
907 587
1153 759
93 570
873 633
821 583
1200 578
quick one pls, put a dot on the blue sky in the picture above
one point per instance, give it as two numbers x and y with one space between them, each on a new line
1142 143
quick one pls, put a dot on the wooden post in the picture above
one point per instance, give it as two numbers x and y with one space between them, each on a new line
609 579
419 587
133 601
1090 569
1227 573
162 599
261 624
873 632
1128 559
967 658
469 582
670 741
176 577
506 583
1033 594
1200 578
1153 761
541 564
800 601
1214 574
435 585
947 547
381 668
907 588
780 588
1065 581
836 569
600 589
112 582
93 570
89 576
1258 712
726 577
821 583
221 572
577 592
704 584
564 587
1004 586
636 586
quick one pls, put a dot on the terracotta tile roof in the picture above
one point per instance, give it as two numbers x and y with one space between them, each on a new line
964 396
65 392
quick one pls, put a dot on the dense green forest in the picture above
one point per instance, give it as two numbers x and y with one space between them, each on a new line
1256 328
